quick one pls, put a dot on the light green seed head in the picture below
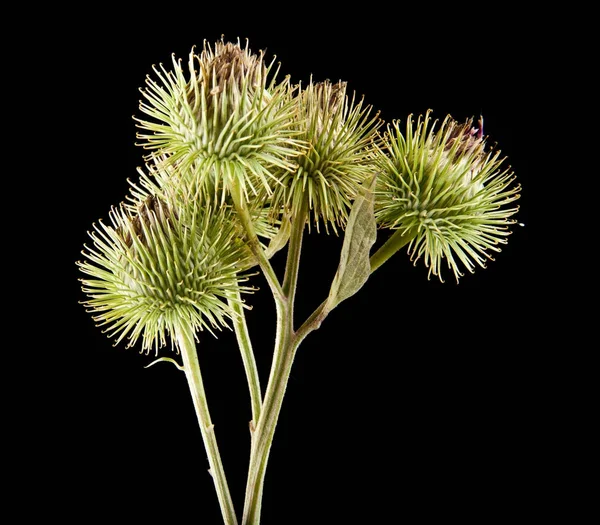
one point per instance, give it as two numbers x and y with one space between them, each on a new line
226 114
156 268
340 134
444 188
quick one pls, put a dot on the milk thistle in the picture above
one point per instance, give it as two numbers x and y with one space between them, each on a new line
239 164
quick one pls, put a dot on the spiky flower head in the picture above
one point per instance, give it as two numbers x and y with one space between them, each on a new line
151 270
340 132
446 191
227 114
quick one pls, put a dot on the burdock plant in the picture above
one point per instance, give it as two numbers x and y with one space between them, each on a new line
239 163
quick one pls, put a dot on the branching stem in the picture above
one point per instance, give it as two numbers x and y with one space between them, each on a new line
283 358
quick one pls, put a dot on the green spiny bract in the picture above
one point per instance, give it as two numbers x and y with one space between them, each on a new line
156 267
340 136
446 191
228 116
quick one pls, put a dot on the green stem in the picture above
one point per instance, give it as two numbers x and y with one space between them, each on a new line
398 239
290 279
313 322
254 243
265 430
285 351
191 365
245 345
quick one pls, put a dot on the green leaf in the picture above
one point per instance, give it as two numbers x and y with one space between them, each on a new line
281 238
361 231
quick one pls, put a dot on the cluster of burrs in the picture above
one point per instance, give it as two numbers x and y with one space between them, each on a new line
233 157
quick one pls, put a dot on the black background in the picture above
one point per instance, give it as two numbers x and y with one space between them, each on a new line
416 401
